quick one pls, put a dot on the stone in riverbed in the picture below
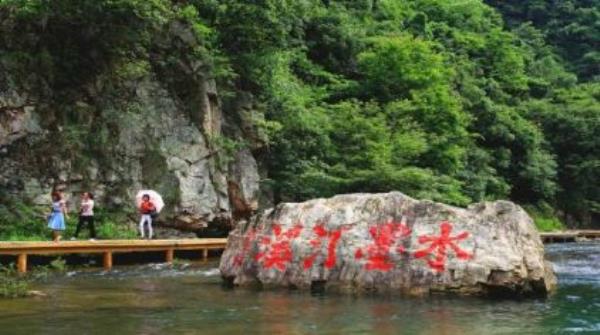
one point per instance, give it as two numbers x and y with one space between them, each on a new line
391 243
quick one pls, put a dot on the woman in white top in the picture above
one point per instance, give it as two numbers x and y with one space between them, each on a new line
86 215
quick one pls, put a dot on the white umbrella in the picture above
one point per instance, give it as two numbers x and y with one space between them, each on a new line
155 198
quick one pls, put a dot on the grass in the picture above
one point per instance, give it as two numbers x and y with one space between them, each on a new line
11 284
16 285
548 223
544 218
59 264
113 225
20 222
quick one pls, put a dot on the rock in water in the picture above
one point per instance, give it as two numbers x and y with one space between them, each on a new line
391 243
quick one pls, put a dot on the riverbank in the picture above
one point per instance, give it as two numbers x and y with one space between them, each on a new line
17 285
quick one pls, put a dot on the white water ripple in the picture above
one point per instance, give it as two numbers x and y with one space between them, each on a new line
575 263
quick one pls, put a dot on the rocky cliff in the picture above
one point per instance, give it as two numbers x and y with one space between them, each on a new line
391 243
145 124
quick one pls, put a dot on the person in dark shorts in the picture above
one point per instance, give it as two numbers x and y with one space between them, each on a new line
86 215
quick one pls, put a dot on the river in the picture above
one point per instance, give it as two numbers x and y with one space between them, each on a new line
189 299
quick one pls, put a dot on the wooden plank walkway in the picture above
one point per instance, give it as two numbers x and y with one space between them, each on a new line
107 248
569 236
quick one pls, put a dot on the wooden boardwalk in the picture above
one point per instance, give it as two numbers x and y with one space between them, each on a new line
108 248
570 236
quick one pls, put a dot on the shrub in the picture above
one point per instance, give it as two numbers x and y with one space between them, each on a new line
545 218
11 285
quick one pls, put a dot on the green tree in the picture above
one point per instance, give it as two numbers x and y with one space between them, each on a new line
570 25
572 119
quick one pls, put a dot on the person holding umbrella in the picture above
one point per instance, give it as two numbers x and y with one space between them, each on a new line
149 204
147 209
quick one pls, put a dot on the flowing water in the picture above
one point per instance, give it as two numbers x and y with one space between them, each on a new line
159 299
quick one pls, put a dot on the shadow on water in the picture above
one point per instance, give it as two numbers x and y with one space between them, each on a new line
190 298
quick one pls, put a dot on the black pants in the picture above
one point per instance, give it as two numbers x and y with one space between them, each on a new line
90 221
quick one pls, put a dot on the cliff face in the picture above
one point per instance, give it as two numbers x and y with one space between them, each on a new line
156 145
116 134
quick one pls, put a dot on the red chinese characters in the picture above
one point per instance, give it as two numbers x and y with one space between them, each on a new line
436 252
385 237
320 234
276 251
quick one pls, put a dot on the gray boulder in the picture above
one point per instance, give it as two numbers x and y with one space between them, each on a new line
391 243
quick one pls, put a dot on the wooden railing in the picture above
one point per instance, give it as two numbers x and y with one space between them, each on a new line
107 248
569 236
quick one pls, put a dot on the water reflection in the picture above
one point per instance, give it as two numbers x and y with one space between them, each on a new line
442 322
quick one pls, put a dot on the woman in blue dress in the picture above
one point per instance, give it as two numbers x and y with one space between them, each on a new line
56 220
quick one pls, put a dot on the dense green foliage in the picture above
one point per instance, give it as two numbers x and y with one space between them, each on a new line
571 26
440 99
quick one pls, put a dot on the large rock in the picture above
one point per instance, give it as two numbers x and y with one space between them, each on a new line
243 184
391 243
17 118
